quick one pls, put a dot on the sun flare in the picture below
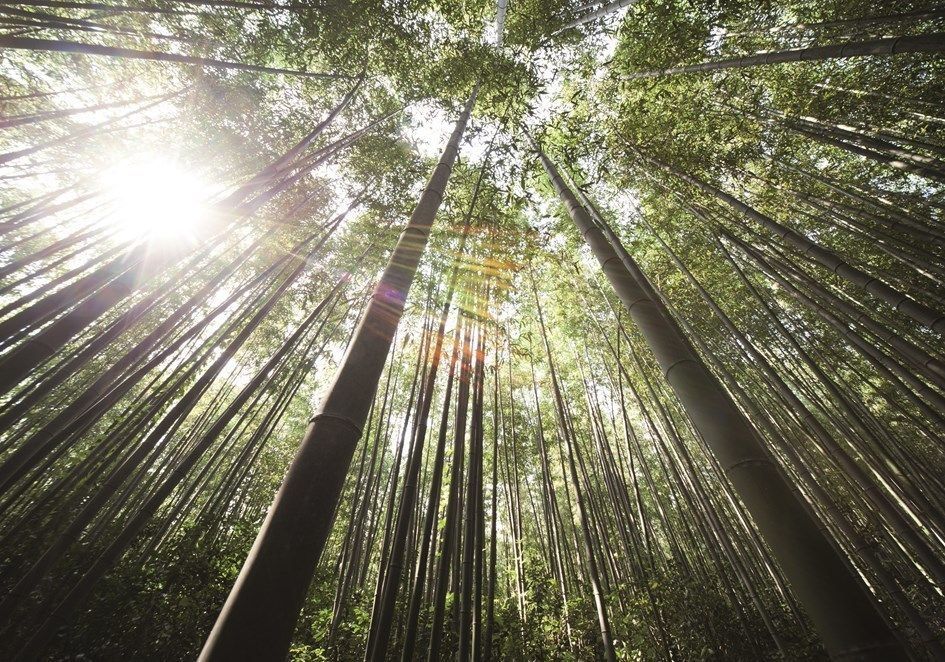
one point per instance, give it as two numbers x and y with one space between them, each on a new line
156 199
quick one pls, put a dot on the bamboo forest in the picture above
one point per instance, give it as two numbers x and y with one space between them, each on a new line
475 330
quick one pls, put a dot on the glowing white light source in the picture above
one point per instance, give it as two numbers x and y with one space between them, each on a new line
156 199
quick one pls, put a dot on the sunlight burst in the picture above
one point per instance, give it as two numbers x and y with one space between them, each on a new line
157 199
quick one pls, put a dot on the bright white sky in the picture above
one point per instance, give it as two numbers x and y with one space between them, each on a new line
430 128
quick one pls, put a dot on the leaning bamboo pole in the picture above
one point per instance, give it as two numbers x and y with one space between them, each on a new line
257 620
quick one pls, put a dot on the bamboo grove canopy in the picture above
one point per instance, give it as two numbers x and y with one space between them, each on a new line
477 330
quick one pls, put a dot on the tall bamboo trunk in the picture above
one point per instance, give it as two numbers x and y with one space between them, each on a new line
451 529
383 618
432 505
835 599
257 620
928 43
603 619
904 304
607 8
64 46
